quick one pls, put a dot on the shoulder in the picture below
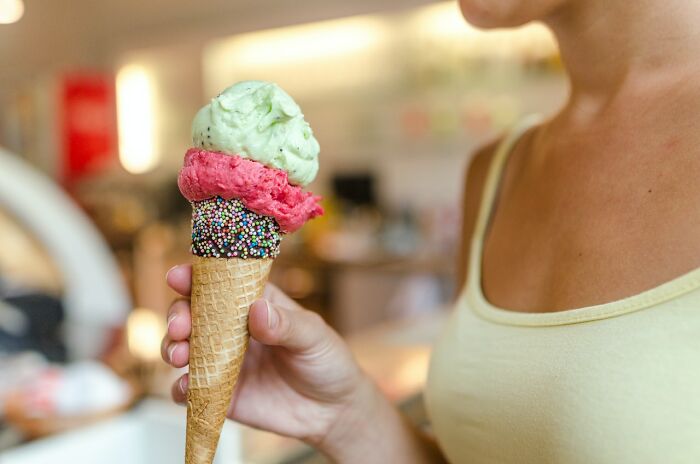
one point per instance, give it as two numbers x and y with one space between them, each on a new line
477 170
475 178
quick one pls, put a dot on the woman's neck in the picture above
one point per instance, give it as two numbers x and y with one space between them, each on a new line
612 47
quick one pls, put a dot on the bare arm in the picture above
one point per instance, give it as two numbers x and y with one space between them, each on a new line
375 432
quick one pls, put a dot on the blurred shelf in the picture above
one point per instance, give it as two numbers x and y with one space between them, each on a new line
432 264
396 354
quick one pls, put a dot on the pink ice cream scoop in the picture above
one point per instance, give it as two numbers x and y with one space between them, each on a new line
262 189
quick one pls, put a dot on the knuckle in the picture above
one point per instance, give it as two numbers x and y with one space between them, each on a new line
285 325
313 318
180 304
175 392
269 290
164 350
173 306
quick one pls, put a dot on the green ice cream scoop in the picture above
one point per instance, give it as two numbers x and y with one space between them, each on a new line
260 121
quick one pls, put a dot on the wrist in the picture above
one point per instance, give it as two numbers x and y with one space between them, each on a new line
357 429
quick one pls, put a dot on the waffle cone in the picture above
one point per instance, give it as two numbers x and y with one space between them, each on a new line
222 292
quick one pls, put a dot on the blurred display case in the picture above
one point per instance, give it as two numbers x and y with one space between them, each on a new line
394 354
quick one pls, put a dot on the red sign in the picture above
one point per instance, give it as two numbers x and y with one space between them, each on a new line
89 124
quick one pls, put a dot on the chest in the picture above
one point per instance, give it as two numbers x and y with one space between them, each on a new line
572 231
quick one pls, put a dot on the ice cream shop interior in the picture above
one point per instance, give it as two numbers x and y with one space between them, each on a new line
382 103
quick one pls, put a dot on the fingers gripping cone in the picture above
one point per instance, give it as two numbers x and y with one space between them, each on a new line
222 292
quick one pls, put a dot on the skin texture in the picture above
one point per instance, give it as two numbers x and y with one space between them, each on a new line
600 202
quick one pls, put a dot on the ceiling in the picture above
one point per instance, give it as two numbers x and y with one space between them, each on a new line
83 33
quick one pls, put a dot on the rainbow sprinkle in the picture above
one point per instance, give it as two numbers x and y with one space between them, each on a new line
227 229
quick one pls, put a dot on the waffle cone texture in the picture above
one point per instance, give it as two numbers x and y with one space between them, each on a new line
222 292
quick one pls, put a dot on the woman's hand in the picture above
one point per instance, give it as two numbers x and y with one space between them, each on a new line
298 378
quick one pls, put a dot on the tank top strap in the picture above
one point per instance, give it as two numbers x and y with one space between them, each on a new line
488 195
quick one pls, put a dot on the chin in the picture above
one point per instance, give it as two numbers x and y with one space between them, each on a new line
491 14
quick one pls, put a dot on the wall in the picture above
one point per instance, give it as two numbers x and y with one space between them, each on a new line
58 36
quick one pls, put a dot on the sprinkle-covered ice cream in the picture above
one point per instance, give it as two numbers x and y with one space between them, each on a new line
227 229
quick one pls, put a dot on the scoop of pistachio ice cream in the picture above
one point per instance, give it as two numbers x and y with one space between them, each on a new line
260 121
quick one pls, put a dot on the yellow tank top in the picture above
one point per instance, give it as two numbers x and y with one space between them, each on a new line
614 383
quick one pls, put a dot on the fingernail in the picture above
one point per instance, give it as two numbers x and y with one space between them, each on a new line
171 318
169 271
183 384
272 316
171 350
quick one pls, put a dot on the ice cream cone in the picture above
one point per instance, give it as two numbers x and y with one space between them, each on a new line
222 292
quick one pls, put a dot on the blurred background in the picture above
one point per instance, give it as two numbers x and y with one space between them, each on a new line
96 101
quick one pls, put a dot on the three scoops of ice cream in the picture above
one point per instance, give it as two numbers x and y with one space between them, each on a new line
252 154
252 143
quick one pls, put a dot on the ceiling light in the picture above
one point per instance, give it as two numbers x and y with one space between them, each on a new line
135 119
11 11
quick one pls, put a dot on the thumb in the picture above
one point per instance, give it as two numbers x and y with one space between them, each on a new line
297 330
